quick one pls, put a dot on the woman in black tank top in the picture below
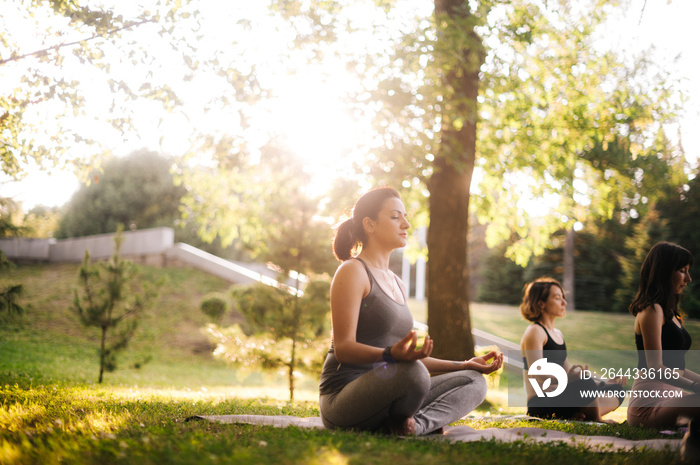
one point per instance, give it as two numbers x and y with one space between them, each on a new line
543 349
375 376
662 341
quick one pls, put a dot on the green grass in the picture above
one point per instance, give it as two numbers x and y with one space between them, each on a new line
52 411
48 343
91 425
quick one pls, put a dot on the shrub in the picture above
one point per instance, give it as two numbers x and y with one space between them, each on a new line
215 305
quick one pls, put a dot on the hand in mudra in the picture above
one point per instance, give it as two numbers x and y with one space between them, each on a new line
485 364
405 350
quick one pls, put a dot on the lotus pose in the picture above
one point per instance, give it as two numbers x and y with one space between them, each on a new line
662 341
543 302
375 376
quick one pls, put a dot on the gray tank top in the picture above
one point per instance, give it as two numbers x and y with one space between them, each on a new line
382 322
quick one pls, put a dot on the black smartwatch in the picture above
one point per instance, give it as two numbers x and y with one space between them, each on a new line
386 355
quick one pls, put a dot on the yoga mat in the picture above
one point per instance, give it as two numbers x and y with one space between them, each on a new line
463 433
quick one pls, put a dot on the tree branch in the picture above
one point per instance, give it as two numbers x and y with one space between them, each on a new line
68 44
641 15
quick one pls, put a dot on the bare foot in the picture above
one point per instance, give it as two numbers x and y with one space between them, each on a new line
407 427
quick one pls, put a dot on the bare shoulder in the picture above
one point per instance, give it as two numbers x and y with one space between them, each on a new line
653 315
350 273
534 337
349 268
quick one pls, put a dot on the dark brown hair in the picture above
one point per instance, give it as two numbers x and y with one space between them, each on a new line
350 233
656 278
535 292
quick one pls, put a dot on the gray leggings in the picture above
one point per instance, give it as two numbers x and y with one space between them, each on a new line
401 390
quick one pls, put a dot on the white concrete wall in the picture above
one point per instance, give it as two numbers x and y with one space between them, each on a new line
153 241
29 249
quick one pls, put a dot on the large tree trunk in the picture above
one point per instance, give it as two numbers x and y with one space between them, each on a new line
448 272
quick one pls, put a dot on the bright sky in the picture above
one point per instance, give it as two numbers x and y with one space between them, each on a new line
672 30
310 113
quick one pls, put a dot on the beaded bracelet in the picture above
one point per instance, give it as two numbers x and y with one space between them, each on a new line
386 355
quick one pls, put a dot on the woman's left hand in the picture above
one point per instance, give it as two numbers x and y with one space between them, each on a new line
482 364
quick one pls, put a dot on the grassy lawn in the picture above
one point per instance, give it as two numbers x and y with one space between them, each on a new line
91 425
52 411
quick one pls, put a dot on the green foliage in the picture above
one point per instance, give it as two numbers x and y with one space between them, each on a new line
39 222
10 219
502 279
109 302
645 233
9 296
682 213
282 219
259 303
597 276
268 309
281 329
52 52
137 191
215 305
597 268
583 124
316 307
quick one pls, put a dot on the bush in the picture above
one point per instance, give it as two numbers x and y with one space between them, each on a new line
215 305
281 329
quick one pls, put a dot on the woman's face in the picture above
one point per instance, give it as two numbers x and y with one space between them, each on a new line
555 305
680 279
391 226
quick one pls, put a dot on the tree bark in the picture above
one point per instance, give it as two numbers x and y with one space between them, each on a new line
448 277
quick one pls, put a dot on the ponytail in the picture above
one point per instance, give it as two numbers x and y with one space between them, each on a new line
345 240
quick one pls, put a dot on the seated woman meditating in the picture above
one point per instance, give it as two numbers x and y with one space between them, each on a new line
375 377
671 394
543 302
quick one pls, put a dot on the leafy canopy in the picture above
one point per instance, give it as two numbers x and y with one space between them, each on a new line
71 76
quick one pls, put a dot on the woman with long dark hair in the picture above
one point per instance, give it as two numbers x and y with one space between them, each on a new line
665 392
376 377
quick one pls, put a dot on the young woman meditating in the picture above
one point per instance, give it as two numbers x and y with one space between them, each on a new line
543 302
375 377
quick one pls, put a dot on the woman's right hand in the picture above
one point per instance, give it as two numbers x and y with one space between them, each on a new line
405 349
574 373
